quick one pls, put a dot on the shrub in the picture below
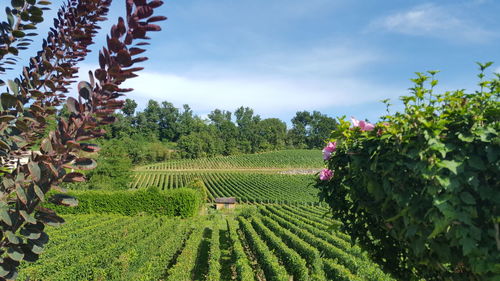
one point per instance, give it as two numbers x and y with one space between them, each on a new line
181 202
199 185
419 190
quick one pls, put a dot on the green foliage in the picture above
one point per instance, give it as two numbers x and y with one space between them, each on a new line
246 187
185 266
197 184
113 171
110 247
420 191
243 269
183 202
272 268
293 158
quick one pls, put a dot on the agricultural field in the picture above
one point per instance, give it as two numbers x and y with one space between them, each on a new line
283 159
265 242
246 187
270 177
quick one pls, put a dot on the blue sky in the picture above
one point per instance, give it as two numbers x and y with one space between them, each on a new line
338 57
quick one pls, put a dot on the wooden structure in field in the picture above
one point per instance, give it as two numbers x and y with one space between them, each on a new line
225 203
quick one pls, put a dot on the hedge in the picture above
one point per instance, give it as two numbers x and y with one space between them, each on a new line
183 202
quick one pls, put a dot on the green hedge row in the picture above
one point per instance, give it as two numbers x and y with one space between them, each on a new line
292 261
183 202
243 268
273 270
309 253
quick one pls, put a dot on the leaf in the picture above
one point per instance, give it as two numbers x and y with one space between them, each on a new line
439 227
39 192
475 162
450 165
8 100
17 3
46 146
83 164
72 105
13 86
27 217
50 219
7 118
15 253
21 194
85 90
74 177
35 171
124 58
63 199
13 238
30 233
467 198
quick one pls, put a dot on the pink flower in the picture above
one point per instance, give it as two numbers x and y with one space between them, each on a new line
363 125
329 149
325 175
355 122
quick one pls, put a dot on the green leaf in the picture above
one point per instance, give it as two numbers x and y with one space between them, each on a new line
468 245
13 86
39 192
27 217
36 248
15 253
450 165
3 272
21 194
18 33
439 227
13 238
5 216
475 162
467 198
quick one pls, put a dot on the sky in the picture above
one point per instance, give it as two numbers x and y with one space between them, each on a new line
339 57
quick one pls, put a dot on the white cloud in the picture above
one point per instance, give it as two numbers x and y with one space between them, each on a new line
267 96
273 85
436 21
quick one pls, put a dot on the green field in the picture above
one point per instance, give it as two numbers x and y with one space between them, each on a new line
282 233
247 187
274 243
284 159
250 178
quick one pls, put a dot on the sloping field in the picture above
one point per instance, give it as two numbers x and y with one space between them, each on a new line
283 159
246 187
275 243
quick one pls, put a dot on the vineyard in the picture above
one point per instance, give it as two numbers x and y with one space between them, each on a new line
247 187
271 160
274 243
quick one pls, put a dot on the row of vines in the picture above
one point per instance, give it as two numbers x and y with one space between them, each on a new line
246 187
277 159
266 242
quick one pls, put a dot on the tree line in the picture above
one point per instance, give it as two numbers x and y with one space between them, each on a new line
221 133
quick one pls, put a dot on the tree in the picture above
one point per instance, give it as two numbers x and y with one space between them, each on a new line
31 99
129 107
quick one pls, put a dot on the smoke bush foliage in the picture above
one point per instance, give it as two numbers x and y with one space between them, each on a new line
420 190
29 103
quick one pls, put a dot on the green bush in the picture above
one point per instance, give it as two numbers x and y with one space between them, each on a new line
183 202
420 190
